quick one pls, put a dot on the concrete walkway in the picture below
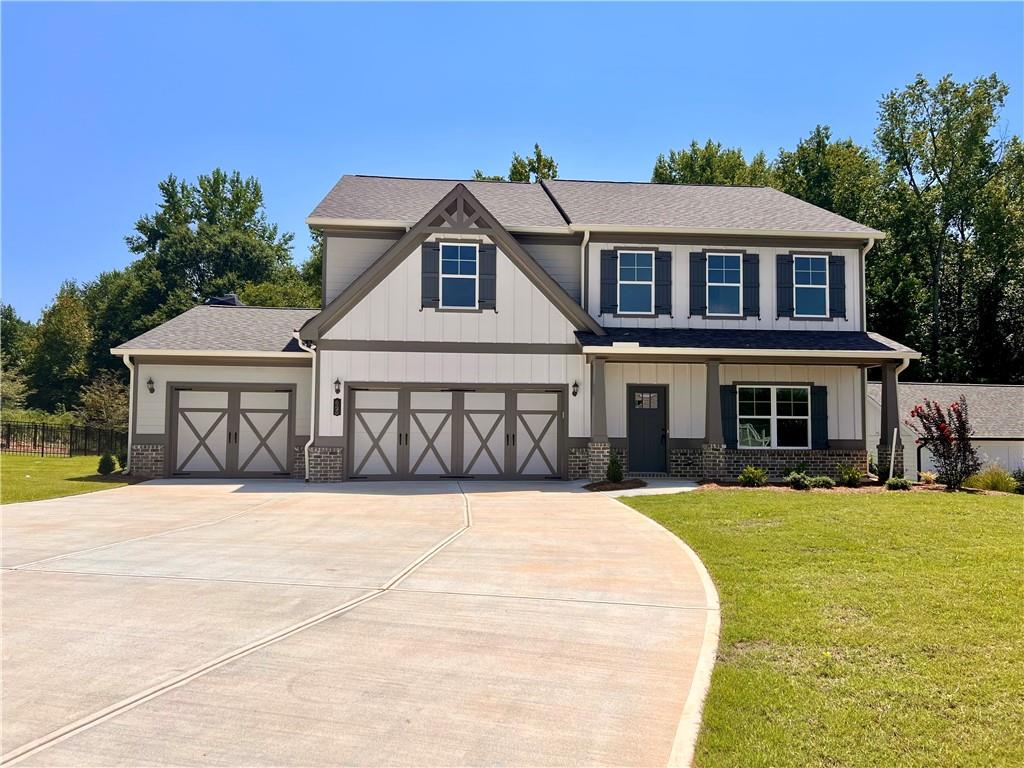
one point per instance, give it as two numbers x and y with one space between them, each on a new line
276 623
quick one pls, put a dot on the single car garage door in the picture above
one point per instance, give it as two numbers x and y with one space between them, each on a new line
415 432
231 431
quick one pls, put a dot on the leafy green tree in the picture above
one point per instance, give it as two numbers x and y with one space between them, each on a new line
940 156
526 169
103 402
14 335
57 359
711 164
311 270
290 291
13 386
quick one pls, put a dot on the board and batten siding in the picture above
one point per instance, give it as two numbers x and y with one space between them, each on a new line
767 294
393 311
346 258
453 368
844 383
687 392
151 409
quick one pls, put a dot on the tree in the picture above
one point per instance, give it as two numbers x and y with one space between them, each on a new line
13 385
281 292
103 402
526 169
57 359
311 270
940 157
14 335
711 164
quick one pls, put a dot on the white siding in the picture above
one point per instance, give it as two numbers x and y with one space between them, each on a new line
687 389
562 262
453 368
766 276
346 258
845 399
392 312
152 408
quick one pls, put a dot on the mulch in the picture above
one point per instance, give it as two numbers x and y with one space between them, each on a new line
625 485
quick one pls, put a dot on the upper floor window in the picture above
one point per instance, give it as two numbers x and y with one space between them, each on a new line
636 282
810 286
773 417
459 275
725 276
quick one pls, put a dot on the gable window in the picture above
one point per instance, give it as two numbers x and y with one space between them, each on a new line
459 275
810 286
725 272
636 282
773 417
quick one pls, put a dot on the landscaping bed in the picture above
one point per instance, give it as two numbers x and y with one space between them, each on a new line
870 628
622 485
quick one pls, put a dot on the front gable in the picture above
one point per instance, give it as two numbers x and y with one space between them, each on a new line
458 215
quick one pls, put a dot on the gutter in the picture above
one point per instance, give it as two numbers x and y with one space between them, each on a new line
634 349
127 360
311 349
125 351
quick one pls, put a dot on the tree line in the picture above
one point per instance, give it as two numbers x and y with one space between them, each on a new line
939 178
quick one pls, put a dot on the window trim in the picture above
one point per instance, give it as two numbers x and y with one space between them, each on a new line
441 276
708 284
824 287
774 417
619 282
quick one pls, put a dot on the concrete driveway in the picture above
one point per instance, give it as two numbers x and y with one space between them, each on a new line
276 623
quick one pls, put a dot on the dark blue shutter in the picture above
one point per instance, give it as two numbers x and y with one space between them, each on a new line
751 285
488 276
837 286
609 282
698 284
728 395
784 285
430 285
663 283
819 418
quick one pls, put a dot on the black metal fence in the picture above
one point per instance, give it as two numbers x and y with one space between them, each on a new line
61 439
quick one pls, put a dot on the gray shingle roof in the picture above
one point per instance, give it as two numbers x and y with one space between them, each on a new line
629 204
994 410
728 338
227 328
382 198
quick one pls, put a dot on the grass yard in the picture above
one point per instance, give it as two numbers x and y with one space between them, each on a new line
30 478
860 629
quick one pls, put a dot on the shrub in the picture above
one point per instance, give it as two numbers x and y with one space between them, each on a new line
1018 475
614 472
848 475
873 465
897 484
798 480
928 477
106 465
753 477
947 434
122 460
993 478
822 481
797 469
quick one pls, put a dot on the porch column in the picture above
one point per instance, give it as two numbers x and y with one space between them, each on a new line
713 409
890 421
599 449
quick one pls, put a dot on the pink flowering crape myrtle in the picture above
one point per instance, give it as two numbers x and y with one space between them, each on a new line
948 436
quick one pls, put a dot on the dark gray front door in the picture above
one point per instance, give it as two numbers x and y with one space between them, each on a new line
647 427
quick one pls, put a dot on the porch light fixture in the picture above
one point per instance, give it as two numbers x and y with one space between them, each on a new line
150 385
575 388
337 387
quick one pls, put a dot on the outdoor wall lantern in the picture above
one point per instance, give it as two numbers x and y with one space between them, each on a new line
337 387
150 385
575 388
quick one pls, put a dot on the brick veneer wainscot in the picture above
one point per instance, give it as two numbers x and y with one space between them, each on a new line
721 464
147 460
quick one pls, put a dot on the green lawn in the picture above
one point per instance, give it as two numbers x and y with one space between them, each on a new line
860 629
30 478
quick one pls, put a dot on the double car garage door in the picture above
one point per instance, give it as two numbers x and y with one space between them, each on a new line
231 431
418 432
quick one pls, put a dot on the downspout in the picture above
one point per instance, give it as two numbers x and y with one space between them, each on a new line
864 282
127 360
583 268
311 348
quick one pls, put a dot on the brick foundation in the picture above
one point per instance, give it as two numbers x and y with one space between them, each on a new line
326 464
883 462
579 463
597 460
721 464
147 460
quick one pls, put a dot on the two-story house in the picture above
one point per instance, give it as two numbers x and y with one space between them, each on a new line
501 330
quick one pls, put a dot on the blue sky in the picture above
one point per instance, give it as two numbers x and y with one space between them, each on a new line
100 102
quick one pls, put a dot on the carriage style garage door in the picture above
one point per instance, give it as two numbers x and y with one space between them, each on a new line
224 431
418 432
